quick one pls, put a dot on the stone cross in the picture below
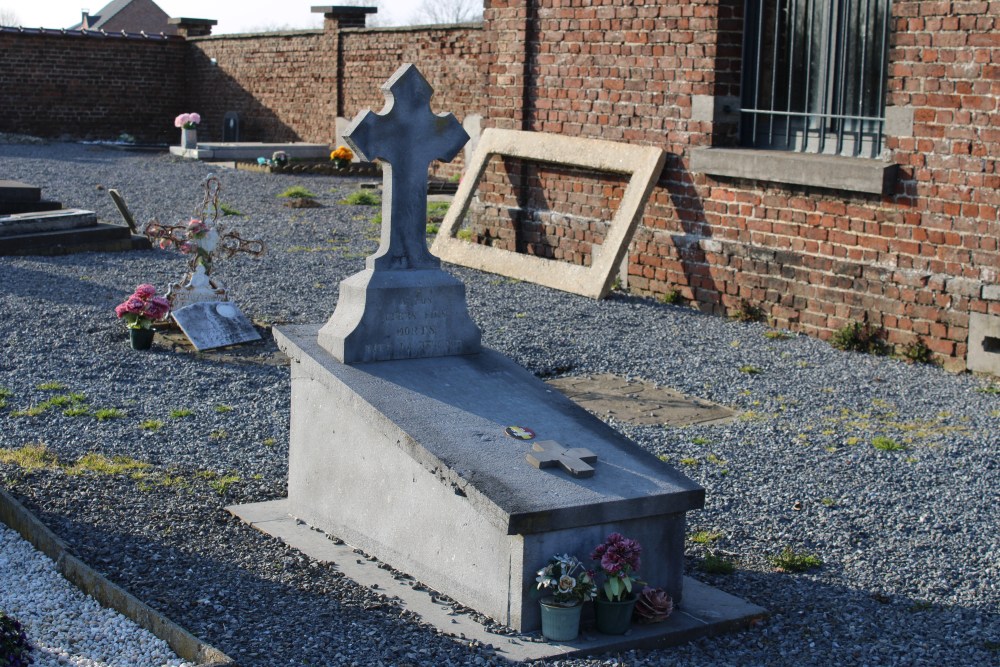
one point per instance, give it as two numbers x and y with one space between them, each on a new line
575 461
407 136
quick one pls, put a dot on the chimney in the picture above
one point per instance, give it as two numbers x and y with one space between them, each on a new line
343 16
193 27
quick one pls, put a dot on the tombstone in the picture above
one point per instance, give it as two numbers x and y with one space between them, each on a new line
412 442
211 325
231 127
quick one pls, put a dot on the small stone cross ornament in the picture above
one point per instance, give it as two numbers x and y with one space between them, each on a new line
407 136
576 461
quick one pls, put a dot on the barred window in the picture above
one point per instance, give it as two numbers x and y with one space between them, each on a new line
814 75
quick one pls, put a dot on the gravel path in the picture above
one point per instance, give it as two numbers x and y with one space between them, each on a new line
909 538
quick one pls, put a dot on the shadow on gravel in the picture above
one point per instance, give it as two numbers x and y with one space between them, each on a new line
255 599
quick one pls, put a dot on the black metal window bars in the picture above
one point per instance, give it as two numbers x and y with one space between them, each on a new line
814 75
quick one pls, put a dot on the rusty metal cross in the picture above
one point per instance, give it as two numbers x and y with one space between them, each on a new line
407 136
575 461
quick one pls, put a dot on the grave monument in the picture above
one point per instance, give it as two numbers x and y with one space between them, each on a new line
440 457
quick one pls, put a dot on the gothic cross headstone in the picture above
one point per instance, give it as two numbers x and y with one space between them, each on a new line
549 453
403 305
407 136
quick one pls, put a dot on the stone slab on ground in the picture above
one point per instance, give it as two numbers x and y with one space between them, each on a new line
638 402
96 238
46 221
705 611
15 191
249 150
209 325
9 207
415 466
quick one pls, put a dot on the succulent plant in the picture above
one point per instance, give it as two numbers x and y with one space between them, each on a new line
653 606
15 650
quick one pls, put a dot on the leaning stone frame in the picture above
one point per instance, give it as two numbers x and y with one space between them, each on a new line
642 163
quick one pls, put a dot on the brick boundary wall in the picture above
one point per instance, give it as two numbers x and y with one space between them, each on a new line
915 262
56 83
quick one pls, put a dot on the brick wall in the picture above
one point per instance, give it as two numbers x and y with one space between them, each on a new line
812 259
283 85
90 87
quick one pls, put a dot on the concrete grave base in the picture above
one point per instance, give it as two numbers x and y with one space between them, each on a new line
984 343
409 461
705 611
383 315
249 150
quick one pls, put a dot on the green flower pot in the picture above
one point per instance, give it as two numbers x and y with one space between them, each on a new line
560 624
141 339
614 618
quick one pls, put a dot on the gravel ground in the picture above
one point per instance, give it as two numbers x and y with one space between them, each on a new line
909 538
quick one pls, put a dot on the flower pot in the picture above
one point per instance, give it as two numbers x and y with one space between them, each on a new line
189 138
559 623
614 618
141 339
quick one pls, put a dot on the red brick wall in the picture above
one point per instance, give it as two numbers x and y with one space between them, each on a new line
90 87
283 85
812 259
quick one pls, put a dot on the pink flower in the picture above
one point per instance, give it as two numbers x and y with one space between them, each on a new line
145 291
182 120
196 228
187 247
194 118
618 554
164 244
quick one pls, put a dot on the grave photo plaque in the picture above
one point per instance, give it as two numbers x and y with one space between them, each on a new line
212 324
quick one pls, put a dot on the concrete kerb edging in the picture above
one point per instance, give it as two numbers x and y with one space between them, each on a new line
81 575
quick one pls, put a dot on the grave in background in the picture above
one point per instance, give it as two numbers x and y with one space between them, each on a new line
30 225
400 442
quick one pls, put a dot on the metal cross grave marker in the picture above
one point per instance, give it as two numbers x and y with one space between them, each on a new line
407 136
575 461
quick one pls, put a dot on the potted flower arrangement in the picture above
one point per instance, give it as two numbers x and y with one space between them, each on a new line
342 157
569 586
189 133
619 560
139 312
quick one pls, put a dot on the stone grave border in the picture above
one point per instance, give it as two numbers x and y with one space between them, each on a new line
188 647
643 164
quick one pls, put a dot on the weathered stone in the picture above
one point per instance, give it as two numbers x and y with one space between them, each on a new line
211 325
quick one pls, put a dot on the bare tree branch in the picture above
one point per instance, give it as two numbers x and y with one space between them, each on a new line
9 17
450 11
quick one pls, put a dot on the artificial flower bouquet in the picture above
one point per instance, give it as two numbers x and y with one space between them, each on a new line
566 581
143 308
619 560
187 121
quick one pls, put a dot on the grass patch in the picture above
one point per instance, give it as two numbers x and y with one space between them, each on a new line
747 312
103 465
917 353
790 560
219 434
151 425
705 536
103 414
700 441
77 411
689 462
713 564
436 210
776 335
224 483
50 386
715 460
860 337
750 370
269 442
180 413
432 228
361 198
464 235
671 298
828 502
886 444
992 389
297 192
30 457
31 411
223 408
229 210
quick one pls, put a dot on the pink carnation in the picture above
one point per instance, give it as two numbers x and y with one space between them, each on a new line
145 291
187 247
194 118
618 554
196 228
181 120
